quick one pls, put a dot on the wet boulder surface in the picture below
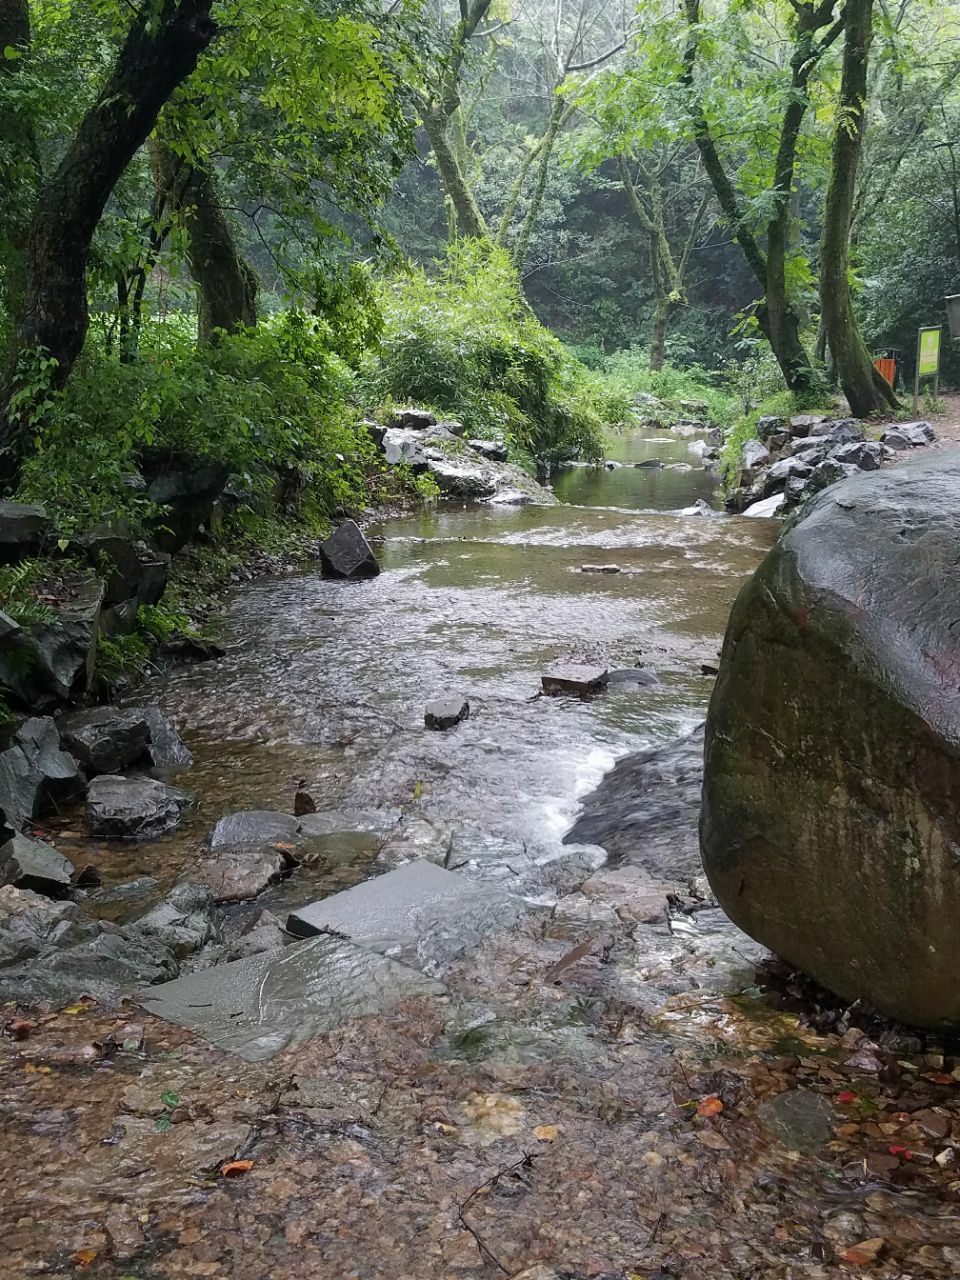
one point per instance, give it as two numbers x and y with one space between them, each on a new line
830 825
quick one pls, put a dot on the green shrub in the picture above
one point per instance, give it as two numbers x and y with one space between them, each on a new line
630 373
465 343
272 400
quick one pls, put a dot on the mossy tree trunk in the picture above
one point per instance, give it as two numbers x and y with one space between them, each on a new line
161 50
227 286
867 391
776 314
18 158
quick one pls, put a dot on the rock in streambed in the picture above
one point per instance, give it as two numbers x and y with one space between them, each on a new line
831 823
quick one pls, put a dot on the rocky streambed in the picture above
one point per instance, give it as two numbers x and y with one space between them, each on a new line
483 1016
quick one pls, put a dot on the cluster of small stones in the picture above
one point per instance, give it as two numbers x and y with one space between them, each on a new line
794 458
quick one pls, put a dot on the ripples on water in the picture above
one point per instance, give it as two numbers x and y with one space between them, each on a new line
327 681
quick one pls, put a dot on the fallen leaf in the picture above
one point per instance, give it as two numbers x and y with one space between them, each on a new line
940 1077
579 952
865 1253
84 1257
546 1132
34 1070
711 1106
714 1141
901 1151
847 1098
234 1168
19 1028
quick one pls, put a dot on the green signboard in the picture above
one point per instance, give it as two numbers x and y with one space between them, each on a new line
928 365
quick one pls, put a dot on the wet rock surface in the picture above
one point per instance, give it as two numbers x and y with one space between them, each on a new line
446 713
32 864
347 554
23 528
121 808
47 663
830 824
35 773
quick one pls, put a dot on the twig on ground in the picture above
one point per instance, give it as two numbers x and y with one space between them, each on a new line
485 1252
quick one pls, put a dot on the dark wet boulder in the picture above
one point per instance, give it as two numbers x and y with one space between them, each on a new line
23 529
35 773
753 456
413 419
130 568
774 479
645 810
111 739
106 739
188 494
47 663
831 816
446 713
347 553
868 455
839 430
824 474
768 427
908 435
184 921
802 424
36 865
165 749
133 808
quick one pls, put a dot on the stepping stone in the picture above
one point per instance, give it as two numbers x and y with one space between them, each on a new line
600 568
347 554
427 916
446 713
264 1004
579 681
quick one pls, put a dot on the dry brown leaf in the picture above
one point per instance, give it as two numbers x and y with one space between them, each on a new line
84 1257
711 1106
546 1132
234 1168
865 1253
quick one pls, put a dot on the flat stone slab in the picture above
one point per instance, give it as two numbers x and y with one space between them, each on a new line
446 713
420 912
264 1004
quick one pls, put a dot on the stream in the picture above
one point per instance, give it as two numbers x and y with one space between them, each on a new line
326 682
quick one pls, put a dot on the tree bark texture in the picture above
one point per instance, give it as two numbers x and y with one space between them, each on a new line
867 391
776 315
227 286
19 166
151 64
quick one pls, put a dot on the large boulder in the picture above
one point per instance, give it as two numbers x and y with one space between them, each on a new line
131 569
830 827
47 663
36 865
23 528
188 494
35 774
133 808
110 739
347 554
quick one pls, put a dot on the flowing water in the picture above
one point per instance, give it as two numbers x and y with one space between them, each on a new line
327 682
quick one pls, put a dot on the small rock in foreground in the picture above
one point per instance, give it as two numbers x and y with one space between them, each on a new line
446 713
600 568
347 554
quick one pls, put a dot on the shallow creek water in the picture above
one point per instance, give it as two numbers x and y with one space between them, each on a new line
327 682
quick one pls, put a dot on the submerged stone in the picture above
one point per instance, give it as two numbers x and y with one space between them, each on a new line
420 912
259 1006
800 1118
578 681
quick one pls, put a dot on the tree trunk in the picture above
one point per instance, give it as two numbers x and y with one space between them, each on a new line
161 50
776 315
470 220
866 390
14 28
18 159
554 125
658 337
227 286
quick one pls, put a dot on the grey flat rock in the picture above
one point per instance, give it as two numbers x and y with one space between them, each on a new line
264 1004
579 681
255 826
427 916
